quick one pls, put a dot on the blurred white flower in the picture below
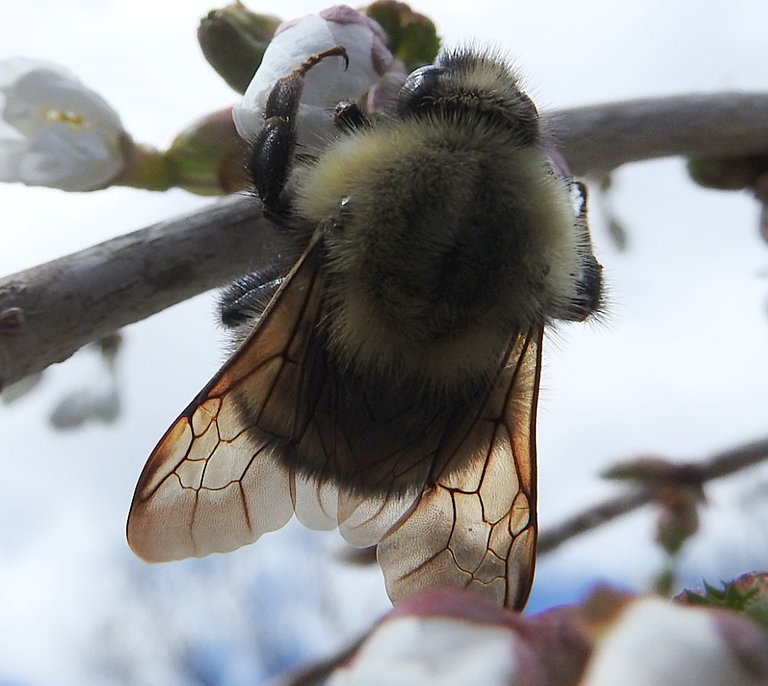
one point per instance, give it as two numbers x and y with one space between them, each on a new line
655 642
433 651
54 131
444 637
327 83
89 403
458 638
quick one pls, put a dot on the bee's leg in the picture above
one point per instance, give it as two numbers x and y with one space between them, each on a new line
349 117
272 151
588 293
242 303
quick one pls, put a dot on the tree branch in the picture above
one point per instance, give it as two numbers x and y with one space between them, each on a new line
47 313
721 464
597 139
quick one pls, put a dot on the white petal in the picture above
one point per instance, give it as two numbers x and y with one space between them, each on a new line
328 83
45 90
325 84
13 68
59 157
11 153
24 118
431 651
654 642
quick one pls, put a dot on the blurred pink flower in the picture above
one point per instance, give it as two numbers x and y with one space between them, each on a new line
450 637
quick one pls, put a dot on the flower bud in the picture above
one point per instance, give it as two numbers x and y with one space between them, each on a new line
208 156
325 84
651 641
233 40
727 173
412 36
747 593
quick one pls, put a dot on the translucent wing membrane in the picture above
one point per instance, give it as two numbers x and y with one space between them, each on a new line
261 442
476 525
445 488
210 485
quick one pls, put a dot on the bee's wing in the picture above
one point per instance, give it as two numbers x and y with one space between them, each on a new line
210 485
226 471
476 527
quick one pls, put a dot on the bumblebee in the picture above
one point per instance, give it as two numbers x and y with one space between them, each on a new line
386 381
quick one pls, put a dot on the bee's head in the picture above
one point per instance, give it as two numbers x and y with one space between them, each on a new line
463 82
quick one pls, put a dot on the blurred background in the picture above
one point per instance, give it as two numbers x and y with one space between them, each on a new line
677 368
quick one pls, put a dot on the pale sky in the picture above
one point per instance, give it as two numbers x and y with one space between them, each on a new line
677 368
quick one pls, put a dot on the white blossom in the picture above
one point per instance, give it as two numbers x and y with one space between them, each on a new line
432 651
450 637
655 642
54 131
327 83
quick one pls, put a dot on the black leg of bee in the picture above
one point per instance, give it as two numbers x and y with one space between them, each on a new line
243 302
273 149
269 161
349 117
589 284
590 287
581 189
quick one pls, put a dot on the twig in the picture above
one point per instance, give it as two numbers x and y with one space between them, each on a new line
317 672
721 464
596 140
47 313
